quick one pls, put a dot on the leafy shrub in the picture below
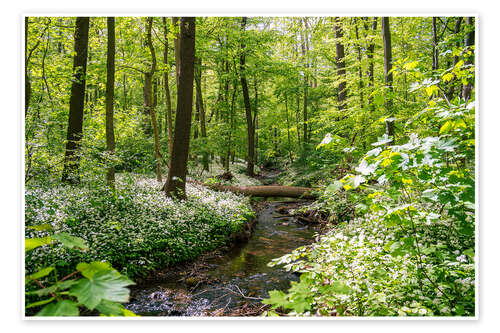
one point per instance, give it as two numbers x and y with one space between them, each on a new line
100 288
410 251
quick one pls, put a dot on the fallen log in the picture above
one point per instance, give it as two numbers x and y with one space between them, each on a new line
268 190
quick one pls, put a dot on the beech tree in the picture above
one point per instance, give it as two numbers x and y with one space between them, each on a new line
149 104
76 102
168 102
339 57
110 96
248 109
388 79
176 182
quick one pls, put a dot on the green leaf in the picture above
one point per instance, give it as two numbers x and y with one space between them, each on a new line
40 274
128 313
447 126
41 227
60 309
43 302
277 299
110 308
469 253
88 270
70 241
334 187
56 287
33 243
340 288
447 77
104 285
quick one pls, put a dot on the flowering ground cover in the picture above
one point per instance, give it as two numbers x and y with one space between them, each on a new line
137 229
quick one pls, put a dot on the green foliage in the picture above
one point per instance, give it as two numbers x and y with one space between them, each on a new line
403 215
101 286
410 248
136 228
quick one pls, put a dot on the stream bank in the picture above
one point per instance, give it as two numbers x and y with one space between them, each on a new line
229 282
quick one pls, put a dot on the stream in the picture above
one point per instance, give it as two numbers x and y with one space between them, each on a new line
232 282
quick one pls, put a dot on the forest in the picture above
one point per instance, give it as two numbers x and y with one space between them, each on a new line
250 166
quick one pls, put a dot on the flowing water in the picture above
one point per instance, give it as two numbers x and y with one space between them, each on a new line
229 282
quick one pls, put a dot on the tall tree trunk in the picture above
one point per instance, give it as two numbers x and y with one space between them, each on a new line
435 59
256 121
288 130
202 113
150 106
297 118
248 110
176 181
469 41
177 50
451 89
76 103
370 73
306 79
110 96
360 67
231 127
340 61
386 36
168 124
27 82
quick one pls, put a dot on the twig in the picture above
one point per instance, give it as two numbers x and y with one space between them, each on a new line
68 276
43 287
243 295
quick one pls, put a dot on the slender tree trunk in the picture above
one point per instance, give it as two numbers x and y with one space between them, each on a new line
150 106
176 181
168 124
451 89
469 41
248 110
306 80
288 131
27 82
256 121
110 96
340 61
386 35
360 67
370 74
435 59
202 113
76 103
297 118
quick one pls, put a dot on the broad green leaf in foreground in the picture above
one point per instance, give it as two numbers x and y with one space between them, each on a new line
88 270
59 309
104 285
40 274
33 243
